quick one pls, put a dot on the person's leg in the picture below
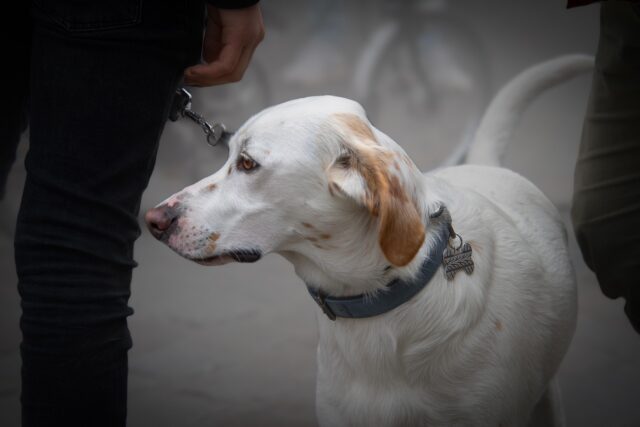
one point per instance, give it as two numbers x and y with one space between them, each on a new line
103 76
606 203
14 103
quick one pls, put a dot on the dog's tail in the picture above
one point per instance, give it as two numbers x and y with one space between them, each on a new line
499 122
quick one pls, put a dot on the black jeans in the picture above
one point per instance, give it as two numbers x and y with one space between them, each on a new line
102 77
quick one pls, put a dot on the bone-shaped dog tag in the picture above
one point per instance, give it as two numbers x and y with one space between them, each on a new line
456 259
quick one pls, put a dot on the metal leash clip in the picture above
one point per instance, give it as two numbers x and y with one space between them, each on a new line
181 107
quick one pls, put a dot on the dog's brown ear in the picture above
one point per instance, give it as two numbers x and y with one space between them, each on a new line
362 174
401 228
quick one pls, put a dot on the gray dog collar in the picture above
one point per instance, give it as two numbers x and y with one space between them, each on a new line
398 291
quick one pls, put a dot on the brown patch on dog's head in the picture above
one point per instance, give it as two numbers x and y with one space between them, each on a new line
211 187
363 173
356 126
307 225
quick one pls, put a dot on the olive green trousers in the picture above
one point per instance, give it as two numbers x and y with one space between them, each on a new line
606 200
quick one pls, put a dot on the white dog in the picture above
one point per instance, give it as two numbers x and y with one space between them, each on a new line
405 341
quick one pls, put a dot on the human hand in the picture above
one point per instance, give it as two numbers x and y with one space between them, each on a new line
230 39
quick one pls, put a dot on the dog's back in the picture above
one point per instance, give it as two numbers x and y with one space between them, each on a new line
531 289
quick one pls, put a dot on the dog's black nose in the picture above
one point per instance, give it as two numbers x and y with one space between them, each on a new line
160 220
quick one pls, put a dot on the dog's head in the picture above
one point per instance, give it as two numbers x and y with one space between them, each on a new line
310 178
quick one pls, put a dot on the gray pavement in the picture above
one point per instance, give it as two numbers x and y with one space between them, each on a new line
235 345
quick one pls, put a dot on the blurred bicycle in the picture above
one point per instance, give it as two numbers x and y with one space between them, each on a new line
418 69
424 73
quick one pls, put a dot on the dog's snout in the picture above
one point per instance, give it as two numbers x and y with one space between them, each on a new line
160 220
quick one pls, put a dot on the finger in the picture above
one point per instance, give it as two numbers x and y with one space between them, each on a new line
209 74
243 64
237 74
211 46
212 43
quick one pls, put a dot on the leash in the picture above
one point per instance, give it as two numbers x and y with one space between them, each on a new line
181 107
452 257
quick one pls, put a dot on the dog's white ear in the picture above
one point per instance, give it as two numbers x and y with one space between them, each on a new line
362 175
346 181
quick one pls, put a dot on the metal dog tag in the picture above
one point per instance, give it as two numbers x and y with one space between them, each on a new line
456 259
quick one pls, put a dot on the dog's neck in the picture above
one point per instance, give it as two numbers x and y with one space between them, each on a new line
353 263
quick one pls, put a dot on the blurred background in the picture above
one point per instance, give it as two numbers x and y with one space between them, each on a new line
235 345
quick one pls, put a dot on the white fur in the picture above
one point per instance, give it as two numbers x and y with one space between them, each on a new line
479 350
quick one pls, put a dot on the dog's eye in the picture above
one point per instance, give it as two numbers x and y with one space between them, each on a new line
246 163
